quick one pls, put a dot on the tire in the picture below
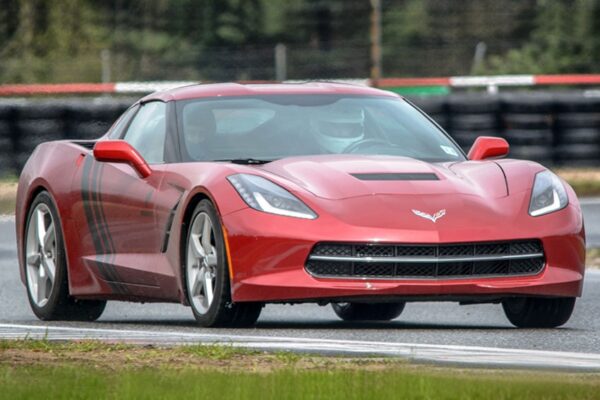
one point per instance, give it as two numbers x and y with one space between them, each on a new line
206 274
578 120
527 121
7 112
429 104
7 139
44 110
527 104
473 122
542 154
531 312
577 103
579 136
440 119
368 311
577 152
33 132
53 302
88 130
90 111
473 104
6 153
529 137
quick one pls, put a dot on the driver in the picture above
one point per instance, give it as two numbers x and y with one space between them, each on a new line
335 128
199 127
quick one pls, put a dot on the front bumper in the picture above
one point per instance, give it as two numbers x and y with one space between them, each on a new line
268 255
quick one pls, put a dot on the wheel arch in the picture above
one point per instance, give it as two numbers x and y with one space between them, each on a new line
38 188
193 200
34 191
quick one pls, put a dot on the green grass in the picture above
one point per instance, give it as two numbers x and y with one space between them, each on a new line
41 369
68 382
585 188
215 352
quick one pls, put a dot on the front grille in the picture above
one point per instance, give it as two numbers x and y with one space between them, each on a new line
364 260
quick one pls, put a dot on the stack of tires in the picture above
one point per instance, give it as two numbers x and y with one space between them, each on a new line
577 130
90 119
37 122
527 122
435 107
7 118
471 116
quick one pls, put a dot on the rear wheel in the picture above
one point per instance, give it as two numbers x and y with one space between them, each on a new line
46 268
531 312
207 274
368 311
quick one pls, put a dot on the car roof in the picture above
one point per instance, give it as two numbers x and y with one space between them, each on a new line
259 89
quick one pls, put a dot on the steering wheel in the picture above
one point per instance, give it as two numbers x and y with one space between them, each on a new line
364 142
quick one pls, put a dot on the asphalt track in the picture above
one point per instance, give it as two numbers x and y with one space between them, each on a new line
430 332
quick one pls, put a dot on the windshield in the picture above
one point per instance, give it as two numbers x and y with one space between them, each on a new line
277 126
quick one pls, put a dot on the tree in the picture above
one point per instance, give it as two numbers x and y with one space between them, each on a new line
565 39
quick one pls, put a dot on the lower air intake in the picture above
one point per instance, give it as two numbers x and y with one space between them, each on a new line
460 260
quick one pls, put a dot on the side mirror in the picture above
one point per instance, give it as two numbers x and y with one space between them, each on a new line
488 147
119 151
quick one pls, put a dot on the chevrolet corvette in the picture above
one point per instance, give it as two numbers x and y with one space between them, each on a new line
226 197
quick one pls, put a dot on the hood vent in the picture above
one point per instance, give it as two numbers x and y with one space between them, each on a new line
416 176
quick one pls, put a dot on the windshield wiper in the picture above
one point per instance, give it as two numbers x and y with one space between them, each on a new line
247 161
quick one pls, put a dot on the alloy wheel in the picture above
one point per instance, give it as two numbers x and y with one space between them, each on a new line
41 255
202 262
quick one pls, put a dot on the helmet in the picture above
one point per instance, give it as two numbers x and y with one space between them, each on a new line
337 127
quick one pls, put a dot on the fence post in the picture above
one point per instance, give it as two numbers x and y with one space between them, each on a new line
105 60
280 62
375 42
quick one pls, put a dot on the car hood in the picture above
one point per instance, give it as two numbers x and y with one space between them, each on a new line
337 177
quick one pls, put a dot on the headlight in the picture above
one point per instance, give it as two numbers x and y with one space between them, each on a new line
548 194
263 195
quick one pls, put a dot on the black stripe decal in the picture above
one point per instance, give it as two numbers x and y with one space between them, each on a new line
109 258
92 204
89 212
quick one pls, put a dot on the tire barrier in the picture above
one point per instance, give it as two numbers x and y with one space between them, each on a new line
577 129
25 124
8 162
551 128
435 107
471 116
527 123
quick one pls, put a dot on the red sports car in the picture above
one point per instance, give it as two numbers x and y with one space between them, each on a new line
225 197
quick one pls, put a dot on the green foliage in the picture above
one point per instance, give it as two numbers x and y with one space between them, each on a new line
61 40
46 39
215 351
565 39
68 382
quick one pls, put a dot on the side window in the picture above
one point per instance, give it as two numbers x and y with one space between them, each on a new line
116 131
147 132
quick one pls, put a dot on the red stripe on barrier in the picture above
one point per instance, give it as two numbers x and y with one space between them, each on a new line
60 88
394 82
575 79
90 88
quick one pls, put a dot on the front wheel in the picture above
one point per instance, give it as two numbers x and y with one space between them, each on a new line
46 268
207 274
368 311
532 312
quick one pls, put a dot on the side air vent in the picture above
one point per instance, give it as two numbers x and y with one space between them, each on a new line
384 176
